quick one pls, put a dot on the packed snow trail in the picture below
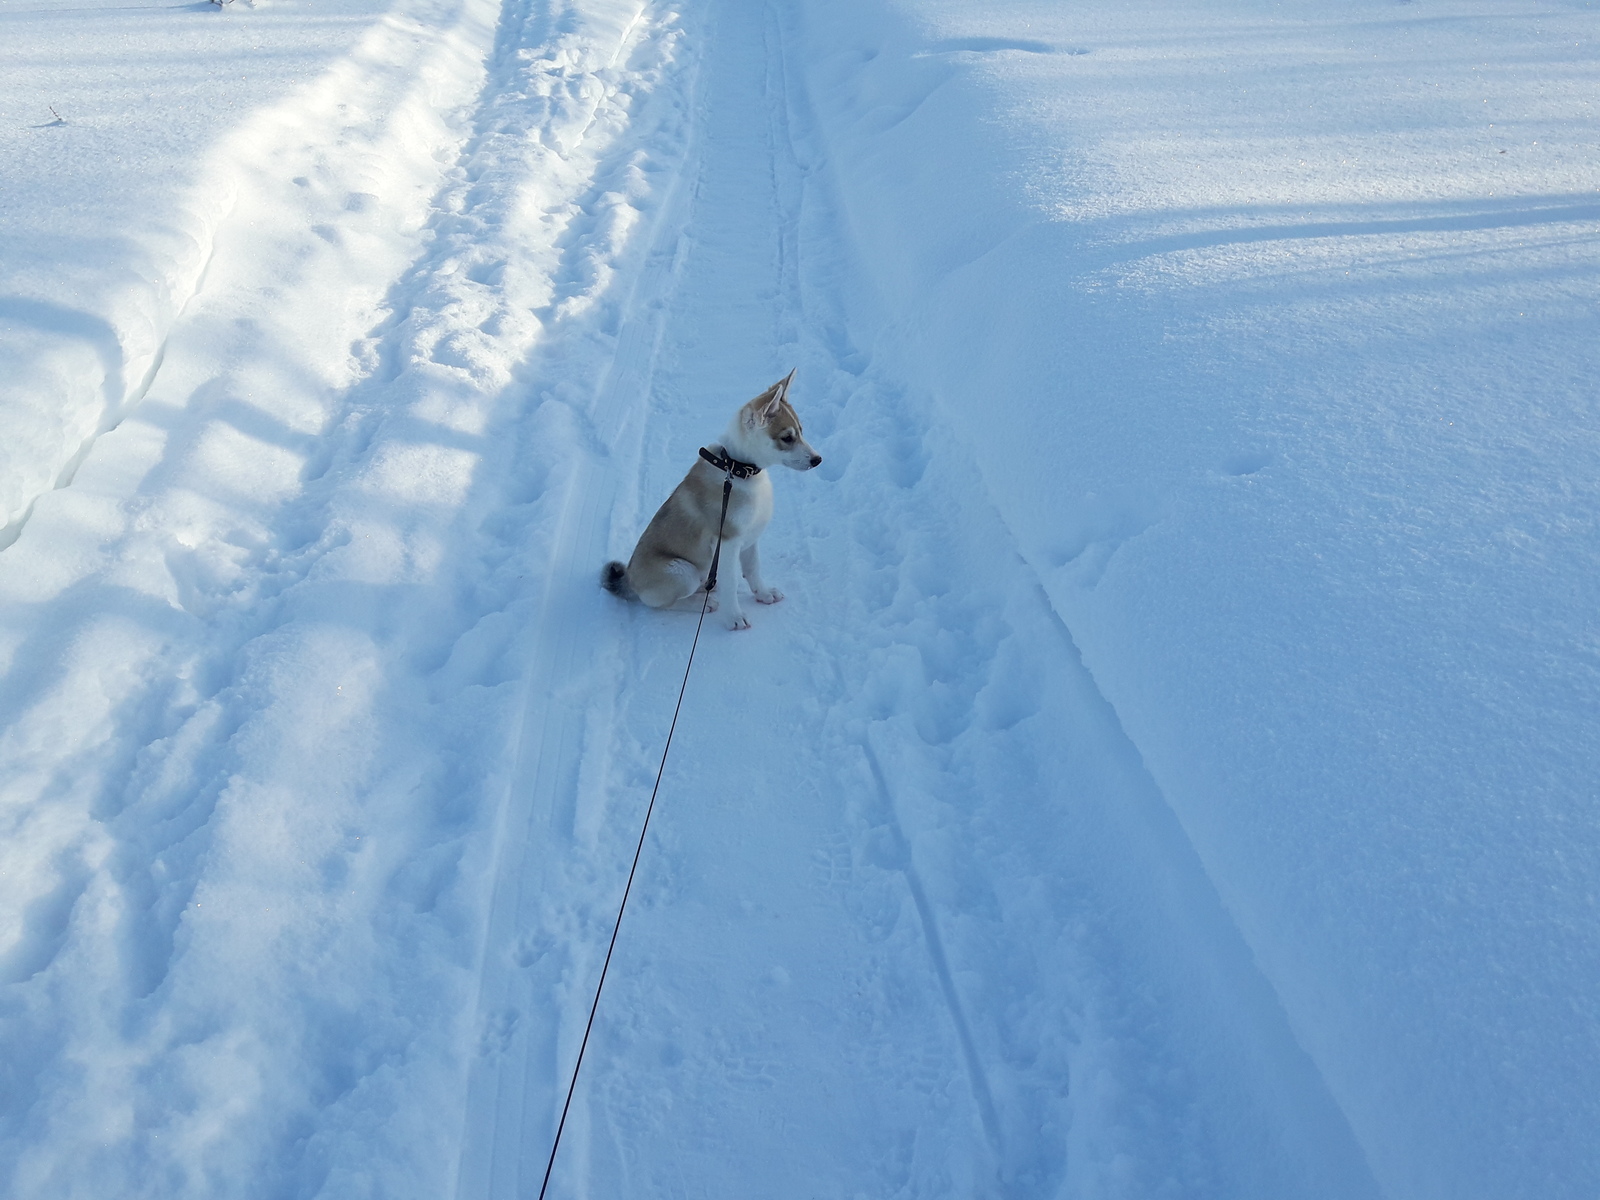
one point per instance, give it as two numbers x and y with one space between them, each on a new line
868 950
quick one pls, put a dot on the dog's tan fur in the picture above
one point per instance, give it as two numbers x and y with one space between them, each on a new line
674 553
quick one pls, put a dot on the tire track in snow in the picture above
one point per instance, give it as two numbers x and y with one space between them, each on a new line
707 1074
524 1048
827 316
787 91
936 952
519 1073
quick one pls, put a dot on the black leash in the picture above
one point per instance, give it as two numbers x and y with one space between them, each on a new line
711 583
711 579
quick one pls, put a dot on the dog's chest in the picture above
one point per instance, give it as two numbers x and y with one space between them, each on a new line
749 509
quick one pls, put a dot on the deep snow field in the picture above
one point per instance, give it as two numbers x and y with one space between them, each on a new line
1173 772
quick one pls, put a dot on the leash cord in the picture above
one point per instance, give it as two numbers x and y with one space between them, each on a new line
711 582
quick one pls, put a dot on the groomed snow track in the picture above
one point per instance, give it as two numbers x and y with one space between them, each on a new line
867 946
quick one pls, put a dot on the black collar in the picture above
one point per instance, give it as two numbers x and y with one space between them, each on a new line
723 461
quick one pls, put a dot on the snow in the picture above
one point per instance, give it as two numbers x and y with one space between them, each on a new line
1171 771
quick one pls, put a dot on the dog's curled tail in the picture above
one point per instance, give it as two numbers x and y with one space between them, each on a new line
614 578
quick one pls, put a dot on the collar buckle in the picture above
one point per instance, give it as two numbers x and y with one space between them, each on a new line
726 462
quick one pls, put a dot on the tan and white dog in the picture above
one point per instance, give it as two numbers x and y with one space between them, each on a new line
673 557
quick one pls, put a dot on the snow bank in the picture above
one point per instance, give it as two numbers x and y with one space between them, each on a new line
128 134
1273 330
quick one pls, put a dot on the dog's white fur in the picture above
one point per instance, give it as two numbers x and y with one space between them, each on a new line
673 556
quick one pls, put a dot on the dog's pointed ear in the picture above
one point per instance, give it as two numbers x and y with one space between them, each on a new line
780 392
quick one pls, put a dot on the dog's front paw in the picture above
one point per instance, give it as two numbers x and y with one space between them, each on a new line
736 620
767 596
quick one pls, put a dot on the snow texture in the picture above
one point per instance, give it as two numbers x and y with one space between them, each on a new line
1172 773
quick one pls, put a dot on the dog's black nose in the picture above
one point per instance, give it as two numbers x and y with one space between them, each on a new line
816 460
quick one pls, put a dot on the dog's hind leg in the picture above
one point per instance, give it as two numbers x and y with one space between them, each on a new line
665 583
750 564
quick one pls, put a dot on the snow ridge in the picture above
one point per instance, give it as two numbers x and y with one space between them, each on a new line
59 399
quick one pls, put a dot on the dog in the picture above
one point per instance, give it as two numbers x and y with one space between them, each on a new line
673 557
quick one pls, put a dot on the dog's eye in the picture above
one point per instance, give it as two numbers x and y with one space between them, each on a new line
787 438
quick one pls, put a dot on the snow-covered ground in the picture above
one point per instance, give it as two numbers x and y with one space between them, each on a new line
1171 774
